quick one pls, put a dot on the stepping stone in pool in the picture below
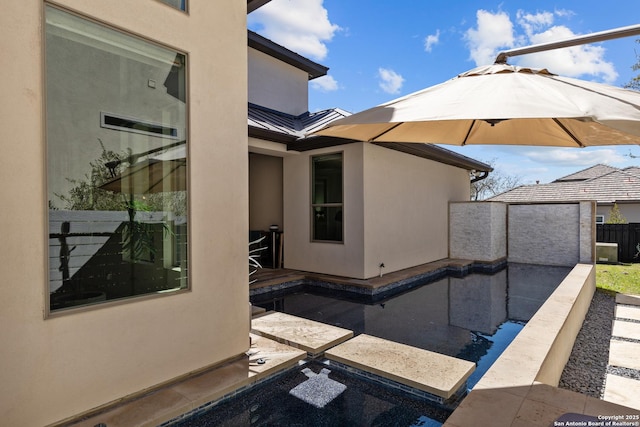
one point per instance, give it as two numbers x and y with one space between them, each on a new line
319 389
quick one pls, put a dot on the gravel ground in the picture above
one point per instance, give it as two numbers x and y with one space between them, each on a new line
586 369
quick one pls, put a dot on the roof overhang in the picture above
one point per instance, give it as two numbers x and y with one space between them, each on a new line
266 46
255 4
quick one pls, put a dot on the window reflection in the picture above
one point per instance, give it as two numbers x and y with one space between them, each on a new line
117 164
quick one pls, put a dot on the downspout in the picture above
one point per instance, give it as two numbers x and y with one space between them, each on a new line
477 178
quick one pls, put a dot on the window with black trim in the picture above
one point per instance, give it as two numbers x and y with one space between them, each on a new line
327 197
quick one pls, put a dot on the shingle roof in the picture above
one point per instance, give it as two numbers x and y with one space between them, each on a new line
592 172
617 185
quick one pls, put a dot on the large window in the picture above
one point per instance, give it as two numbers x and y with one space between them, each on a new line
326 197
117 164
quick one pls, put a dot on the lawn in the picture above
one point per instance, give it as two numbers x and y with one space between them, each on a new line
623 278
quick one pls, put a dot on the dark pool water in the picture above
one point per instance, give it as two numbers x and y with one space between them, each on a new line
473 318
363 403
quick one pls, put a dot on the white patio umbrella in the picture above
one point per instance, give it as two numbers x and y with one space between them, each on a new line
502 104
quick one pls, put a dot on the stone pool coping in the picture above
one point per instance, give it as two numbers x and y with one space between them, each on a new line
284 281
520 388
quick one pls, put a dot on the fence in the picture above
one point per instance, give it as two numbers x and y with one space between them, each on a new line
627 236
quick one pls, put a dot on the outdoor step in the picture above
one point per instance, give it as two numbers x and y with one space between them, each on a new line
626 329
623 391
308 335
626 312
624 354
420 369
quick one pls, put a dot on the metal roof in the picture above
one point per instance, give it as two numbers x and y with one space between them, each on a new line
272 125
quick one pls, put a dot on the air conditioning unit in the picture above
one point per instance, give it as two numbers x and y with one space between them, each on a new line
606 253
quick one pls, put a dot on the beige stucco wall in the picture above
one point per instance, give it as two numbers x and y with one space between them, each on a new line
265 191
631 211
395 212
406 208
343 259
277 85
56 367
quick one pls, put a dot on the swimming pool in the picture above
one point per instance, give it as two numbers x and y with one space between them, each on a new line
473 318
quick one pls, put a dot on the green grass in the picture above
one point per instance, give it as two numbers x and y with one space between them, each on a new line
623 278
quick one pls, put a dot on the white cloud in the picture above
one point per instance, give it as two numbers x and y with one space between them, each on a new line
494 32
431 40
531 23
572 61
325 84
302 26
574 156
390 81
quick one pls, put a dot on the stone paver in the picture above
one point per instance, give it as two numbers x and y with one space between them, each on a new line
623 391
424 370
624 354
628 312
313 337
625 329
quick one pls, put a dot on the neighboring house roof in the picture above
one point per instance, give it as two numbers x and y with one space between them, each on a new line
592 172
264 45
604 184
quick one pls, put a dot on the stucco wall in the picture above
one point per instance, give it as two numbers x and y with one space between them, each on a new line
478 231
265 191
277 85
345 258
395 212
631 211
56 367
406 208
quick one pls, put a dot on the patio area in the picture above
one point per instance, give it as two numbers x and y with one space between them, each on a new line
513 393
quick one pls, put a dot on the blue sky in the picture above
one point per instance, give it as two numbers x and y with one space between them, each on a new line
380 50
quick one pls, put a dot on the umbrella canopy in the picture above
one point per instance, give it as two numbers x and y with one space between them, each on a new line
502 104
162 173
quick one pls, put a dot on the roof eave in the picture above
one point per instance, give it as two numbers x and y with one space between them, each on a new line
266 46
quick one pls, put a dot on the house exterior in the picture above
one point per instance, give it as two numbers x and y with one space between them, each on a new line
57 364
107 297
341 204
603 184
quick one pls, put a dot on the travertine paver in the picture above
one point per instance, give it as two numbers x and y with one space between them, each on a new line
628 312
176 399
424 370
625 329
624 354
308 335
623 391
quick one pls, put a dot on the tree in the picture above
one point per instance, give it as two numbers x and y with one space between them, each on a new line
615 216
634 83
497 182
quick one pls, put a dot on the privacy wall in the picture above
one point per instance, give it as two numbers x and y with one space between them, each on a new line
560 234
